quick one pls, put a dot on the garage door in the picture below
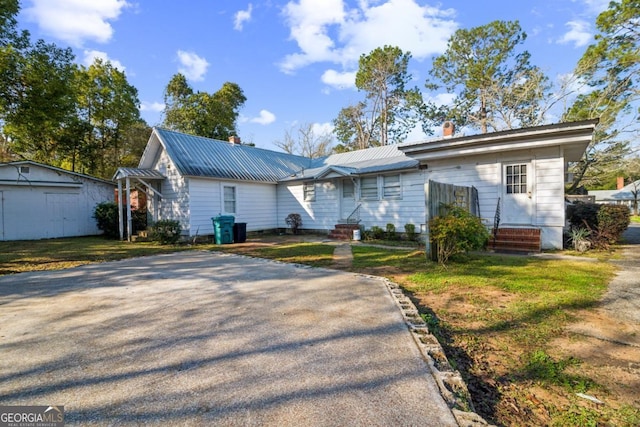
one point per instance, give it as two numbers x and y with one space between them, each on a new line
62 214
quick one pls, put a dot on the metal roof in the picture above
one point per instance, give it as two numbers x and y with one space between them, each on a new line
205 157
137 173
371 160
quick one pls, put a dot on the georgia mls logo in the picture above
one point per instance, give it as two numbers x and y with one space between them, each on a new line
31 416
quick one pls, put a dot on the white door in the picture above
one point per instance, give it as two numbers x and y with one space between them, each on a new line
517 194
62 213
348 199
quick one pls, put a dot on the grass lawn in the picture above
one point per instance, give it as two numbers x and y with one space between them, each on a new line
496 316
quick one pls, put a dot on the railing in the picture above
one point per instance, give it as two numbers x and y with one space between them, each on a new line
496 221
354 217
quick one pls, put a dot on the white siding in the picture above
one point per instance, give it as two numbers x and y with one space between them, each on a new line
324 212
46 204
175 201
255 204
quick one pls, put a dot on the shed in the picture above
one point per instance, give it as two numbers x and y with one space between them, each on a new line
38 201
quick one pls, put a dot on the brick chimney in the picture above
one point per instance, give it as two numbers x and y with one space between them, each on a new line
448 128
235 140
619 183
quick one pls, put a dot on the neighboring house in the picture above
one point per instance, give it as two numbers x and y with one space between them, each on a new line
521 171
38 201
627 195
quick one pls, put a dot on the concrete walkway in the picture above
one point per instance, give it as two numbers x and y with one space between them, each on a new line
203 338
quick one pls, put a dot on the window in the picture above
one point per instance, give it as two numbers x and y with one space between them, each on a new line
516 179
391 188
229 199
24 169
309 190
348 190
369 188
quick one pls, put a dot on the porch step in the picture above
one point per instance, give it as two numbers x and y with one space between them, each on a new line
516 240
343 231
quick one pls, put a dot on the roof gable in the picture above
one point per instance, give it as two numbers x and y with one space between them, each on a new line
204 157
55 171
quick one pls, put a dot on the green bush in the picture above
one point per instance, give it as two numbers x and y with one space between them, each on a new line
391 232
457 231
106 216
605 223
613 220
376 233
166 231
410 231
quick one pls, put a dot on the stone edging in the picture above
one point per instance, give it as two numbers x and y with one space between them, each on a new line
452 386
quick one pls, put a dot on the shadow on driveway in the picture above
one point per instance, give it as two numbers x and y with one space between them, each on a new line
204 338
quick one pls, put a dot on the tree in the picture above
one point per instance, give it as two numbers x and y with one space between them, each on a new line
611 69
200 113
110 106
310 142
390 109
495 87
39 101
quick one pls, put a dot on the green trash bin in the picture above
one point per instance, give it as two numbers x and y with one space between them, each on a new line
223 229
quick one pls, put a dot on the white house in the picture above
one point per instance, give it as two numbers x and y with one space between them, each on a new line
518 172
38 201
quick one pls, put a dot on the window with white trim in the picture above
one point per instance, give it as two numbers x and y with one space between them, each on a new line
309 190
369 188
391 187
229 199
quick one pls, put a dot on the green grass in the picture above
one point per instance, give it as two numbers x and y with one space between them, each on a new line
55 254
635 218
313 254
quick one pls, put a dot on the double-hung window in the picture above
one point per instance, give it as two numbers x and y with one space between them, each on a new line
391 187
229 199
369 188
309 190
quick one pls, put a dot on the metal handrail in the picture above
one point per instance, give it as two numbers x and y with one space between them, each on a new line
354 217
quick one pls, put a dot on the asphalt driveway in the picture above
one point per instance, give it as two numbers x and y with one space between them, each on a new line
205 338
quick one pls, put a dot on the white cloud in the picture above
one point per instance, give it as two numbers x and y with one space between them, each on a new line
91 55
329 32
155 107
192 66
322 128
241 17
595 6
579 33
76 21
339 80
265 118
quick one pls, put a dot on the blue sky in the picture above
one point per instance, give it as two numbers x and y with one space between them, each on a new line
295 60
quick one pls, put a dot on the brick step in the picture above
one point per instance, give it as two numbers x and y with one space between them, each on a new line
516 240
343 231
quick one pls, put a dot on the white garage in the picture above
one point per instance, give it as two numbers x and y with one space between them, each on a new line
38 201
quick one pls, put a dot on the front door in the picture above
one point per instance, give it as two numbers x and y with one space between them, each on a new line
348 199
517 194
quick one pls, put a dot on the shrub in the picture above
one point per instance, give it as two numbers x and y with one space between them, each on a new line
613 220
583 215
456 232
294 221
166 231
106 216
391 232
410 231
605 223
376 233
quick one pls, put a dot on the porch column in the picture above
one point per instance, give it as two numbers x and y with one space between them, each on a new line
129 222
427 216
120 219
